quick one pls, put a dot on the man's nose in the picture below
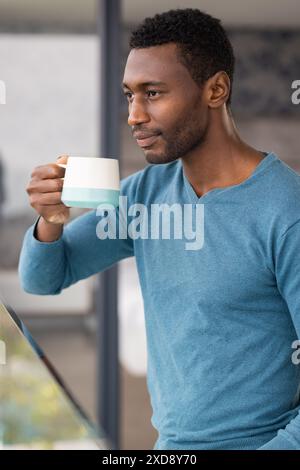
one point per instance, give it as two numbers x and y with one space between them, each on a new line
137 114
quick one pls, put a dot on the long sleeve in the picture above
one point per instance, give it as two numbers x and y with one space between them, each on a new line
287 270
46 268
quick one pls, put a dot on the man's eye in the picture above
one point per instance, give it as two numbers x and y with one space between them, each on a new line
152 91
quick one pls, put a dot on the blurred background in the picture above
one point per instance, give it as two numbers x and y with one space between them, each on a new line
49 62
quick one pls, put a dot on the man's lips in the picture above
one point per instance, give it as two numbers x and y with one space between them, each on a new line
145 141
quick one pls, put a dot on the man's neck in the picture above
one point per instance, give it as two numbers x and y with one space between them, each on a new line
223 160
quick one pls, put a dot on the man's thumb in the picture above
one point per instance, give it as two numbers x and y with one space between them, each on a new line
62 159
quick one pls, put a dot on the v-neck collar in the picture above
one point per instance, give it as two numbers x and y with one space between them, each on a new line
269 157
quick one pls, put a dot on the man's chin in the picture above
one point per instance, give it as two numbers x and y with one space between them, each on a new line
156 158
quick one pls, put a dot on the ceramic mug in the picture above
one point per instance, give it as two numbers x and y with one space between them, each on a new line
90 181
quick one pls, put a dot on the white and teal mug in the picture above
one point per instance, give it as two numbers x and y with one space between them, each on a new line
91 181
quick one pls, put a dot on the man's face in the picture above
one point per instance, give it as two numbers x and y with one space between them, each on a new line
166 110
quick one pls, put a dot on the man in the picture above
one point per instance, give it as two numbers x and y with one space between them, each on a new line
221 321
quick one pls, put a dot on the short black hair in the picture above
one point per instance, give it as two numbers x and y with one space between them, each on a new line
203 45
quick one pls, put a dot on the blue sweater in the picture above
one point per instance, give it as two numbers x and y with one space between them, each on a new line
221 320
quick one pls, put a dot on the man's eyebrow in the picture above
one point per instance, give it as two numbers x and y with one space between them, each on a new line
144 84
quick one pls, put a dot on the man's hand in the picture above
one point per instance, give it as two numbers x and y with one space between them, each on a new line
44 191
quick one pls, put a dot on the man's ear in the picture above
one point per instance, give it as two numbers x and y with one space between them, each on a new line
217 89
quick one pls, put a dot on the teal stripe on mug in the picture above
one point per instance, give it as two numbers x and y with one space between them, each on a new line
89 198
